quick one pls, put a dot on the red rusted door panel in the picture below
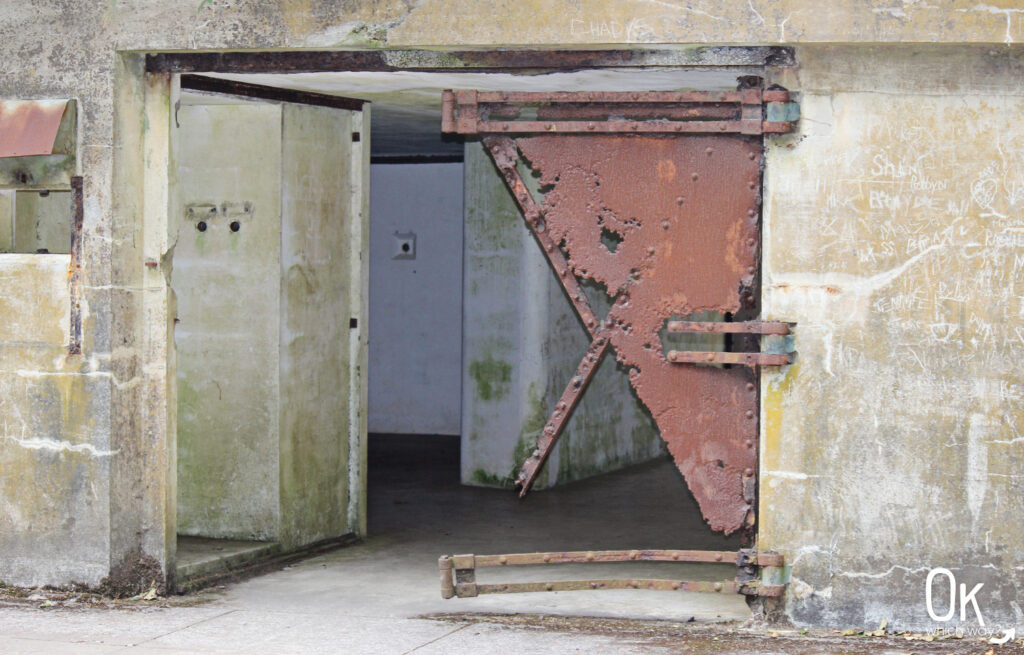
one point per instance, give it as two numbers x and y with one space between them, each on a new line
685 210
655 196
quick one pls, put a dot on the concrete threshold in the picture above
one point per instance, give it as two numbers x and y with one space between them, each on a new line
202 557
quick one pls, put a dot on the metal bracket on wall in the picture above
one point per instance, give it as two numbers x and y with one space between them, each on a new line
757 573
75 267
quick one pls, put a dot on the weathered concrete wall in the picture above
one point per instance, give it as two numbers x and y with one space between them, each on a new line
894 236
581 22
228 287
522 343
317 189
123 377
54 509
416 304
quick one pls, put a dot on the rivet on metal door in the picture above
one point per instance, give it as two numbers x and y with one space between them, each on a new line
656 196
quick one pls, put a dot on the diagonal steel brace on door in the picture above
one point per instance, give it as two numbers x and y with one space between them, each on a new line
504 154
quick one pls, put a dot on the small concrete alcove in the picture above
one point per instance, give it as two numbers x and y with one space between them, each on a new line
35 222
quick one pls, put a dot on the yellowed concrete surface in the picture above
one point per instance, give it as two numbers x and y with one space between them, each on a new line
52 518
42 222
578 22
894 237
6 221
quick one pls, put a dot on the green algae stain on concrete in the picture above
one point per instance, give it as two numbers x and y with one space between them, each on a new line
533 425
492 377
483 478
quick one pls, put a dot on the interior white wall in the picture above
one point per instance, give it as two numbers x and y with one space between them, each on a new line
416 304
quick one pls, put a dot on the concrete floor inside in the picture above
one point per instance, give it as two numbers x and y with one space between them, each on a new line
419 511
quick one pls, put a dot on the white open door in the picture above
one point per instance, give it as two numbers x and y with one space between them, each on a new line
270 283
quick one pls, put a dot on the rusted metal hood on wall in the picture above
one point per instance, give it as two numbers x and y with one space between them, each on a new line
34 127
38 143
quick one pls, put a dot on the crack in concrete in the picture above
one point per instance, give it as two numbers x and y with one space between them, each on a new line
444 636
182 628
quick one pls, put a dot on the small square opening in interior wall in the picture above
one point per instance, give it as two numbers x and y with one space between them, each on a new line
35 222
405 245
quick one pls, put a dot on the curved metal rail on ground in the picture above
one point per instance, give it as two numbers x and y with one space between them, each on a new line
757 573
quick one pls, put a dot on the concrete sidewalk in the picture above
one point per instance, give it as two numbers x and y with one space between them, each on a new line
382 596
229 628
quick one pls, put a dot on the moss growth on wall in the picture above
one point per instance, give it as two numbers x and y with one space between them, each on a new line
492 377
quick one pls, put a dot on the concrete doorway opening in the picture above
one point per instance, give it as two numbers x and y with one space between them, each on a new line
444 486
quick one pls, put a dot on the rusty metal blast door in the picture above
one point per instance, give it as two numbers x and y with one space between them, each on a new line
656 196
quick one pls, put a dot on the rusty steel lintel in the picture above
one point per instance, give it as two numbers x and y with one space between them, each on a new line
737 327
719 357
563 410
467 61
75 266
248 90
464 585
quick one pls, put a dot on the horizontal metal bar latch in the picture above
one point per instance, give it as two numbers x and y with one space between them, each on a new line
719 357
583 556
722 327
759 328
458 572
